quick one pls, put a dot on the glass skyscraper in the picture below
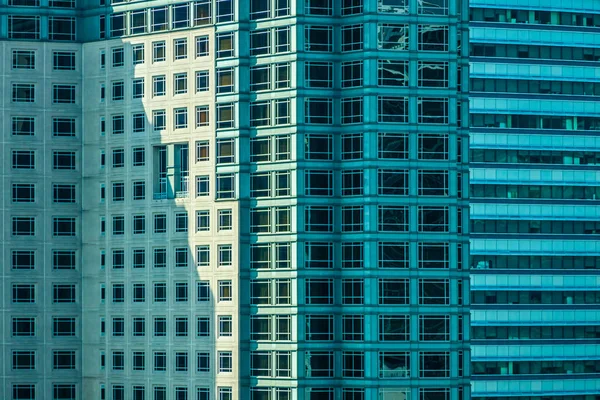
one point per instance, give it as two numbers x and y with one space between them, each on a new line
535 186
212 199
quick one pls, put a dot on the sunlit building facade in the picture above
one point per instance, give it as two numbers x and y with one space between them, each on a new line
263 200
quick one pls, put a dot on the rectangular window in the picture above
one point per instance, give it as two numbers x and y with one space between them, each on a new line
394 328
225 115
160 292
23 360
352 74
180 83
434 291
180 47
159 85
63 293
392 182
352 255
159 19
23 226
63 94
433 74
63 226
202 365
23 126
61 28
23 293
353 327
394 364
434 364
318 7
63 259
319 364
260 42
351 110
352 7
394 291
23 193
138 22
202 118
393 255
202 44
63 326
23 59
352 37
392 146
318 219
137 51
224 11
432 147
63 60
203 291
282 76
23 326
159 50
432 110
23 27
118 57
225 45
137 88
434 327
159 120
318 38
392 109
23 259
225 361
433 218
202 150
393 73
392 37
225 326
23 92
202 256
392 219
118 90
433 38
180 118
63 193
117 24
318 111
319 291
202 84
225 186
225 80
63 127
202 12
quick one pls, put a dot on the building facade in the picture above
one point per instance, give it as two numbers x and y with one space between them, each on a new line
259 200
535 185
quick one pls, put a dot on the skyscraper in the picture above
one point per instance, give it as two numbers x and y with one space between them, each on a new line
535 185
225 200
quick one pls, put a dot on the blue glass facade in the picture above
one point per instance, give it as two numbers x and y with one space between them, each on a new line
535 186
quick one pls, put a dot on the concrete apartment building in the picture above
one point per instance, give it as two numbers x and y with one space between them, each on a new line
227 200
